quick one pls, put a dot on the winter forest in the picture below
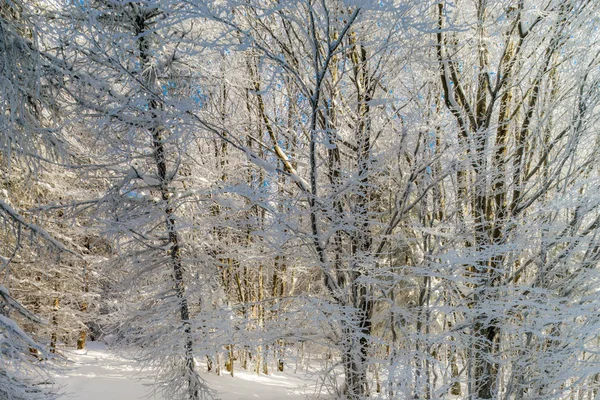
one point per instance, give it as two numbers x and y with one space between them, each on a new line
402 195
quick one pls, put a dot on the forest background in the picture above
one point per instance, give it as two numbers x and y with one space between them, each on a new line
408 187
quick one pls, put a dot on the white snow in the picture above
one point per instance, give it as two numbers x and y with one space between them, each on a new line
97 373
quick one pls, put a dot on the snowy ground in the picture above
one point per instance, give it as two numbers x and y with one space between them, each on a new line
99 374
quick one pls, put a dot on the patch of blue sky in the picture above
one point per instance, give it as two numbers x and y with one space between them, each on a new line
300 99
130 191
431 143
282 143
395 115
260 181
198 97
133 194
77 3
166 87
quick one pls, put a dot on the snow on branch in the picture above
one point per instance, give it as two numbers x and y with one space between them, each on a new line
15 216
11 302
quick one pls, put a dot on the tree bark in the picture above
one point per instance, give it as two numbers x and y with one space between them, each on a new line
159 132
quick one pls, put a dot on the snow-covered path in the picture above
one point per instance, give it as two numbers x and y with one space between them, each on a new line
99 374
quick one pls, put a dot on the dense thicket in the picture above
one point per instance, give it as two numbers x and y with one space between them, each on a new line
407 187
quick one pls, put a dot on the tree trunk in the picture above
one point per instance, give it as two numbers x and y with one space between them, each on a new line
159 133
84 306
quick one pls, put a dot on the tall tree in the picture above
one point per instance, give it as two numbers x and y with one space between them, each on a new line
421 174
28 140
127 72
322 52
508 96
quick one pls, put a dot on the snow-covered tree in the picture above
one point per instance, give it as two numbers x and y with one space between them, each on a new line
519 86
130 78
409 185
31 248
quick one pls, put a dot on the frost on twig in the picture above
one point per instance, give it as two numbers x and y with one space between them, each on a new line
38 230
